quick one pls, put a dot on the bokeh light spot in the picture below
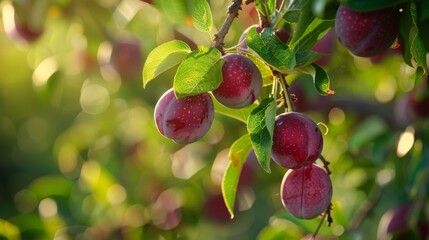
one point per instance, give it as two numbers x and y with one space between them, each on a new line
94 99
48 208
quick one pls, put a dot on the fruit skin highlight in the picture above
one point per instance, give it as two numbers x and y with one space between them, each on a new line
241 83
184 120
297 140
367 34
306 192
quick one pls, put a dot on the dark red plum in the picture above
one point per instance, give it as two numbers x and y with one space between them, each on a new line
395 50
19 29
283 35
126 58
395 224
306 192
184 120
326 46
420 103
297 140
367 34
215 209
241 84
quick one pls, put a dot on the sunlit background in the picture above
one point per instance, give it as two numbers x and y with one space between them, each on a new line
80 157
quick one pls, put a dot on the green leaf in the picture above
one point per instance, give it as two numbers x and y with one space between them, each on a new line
237 156
371 5
406 29
162 58
418 49
200 72
306 16
267 74
270 49
320 78
264 7
307 57
271 6
202 15
260 126
313 32
241 114
325 9
295 10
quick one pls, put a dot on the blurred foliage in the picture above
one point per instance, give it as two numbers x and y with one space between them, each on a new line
81 157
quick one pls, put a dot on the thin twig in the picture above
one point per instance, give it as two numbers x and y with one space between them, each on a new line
325 164
288 98
313 237
328 213
232 14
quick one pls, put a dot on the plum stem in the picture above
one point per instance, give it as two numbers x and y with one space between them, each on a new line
287 96
219 37
313 237
325 164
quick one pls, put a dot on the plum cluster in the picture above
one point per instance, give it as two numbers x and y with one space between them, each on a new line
187 119
306 189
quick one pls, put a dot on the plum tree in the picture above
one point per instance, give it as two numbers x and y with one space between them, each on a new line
367 34
241 83
297 141
184 120
306 192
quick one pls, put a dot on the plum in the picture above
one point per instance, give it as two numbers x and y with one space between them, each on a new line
241 84
184 120
126 58
326 46
18 28
282 34
367 34
297 140
306 192
395 224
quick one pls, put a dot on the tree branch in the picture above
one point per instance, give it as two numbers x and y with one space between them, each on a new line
232 14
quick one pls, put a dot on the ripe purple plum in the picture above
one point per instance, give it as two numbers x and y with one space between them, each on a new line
283 35
297 140
19 28
184 120
306 192
395 224
420 103
126 58
367 34
326 46
241 84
